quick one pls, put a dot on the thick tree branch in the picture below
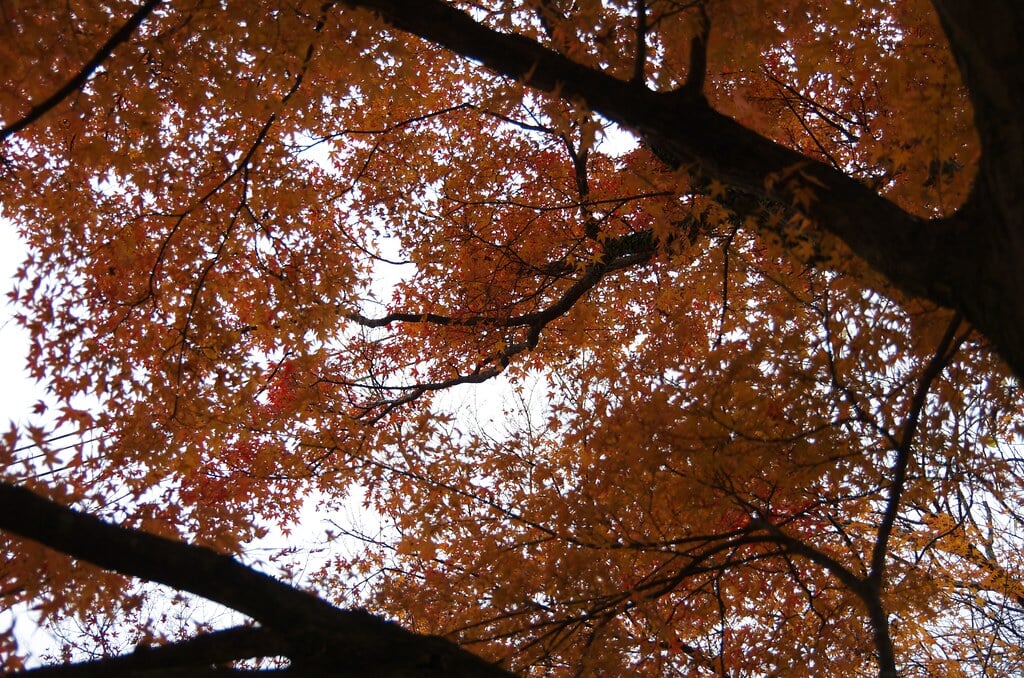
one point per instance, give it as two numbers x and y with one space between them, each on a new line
946 260
712 144
317 634
699 54
640 55
985 38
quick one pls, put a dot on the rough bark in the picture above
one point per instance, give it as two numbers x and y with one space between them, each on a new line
319 638
968 262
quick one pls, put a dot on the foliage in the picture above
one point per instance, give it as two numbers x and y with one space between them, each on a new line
744 270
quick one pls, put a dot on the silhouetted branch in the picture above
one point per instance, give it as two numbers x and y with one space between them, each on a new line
207 650
948 345
120 36
314 633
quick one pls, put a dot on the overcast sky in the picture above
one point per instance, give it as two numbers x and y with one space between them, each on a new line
17 392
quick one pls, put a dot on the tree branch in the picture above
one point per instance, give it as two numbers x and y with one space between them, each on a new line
640 56
714 145
120 36
316 633
218 647
945 350
953 262
699 54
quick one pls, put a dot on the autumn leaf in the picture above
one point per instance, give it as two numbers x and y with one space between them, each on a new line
646 337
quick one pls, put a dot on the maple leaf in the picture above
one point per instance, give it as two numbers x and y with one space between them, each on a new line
743 282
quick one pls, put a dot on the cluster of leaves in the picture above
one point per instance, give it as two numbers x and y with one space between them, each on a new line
265 238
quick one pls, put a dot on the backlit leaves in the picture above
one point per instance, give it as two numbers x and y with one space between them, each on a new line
271 246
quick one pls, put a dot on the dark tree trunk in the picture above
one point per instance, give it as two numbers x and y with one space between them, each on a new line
987 39
970 262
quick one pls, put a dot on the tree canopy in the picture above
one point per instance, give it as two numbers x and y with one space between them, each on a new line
742 280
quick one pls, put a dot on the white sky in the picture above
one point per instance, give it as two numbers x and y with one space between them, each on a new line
18 393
